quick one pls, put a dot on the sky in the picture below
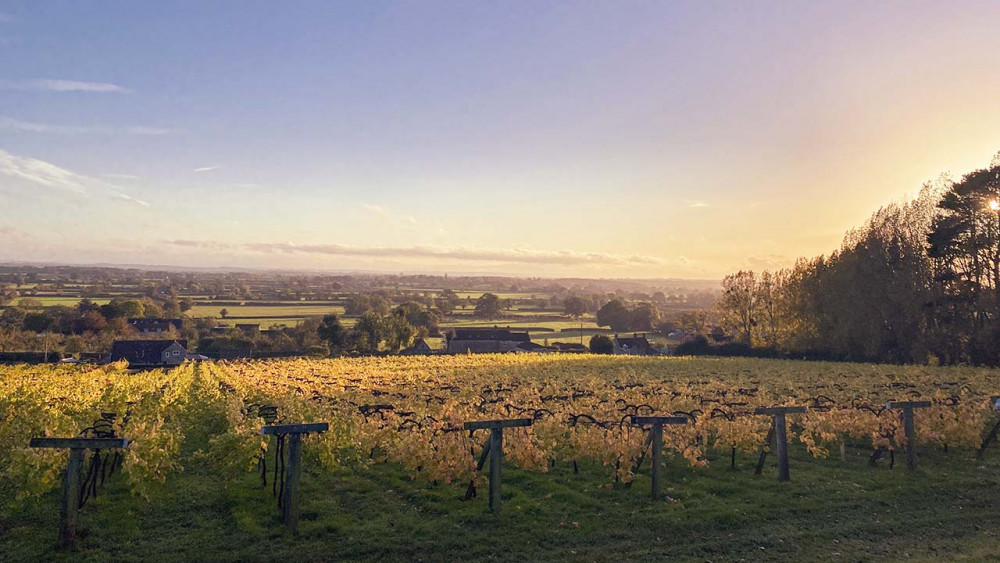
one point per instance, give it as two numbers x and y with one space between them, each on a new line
592 139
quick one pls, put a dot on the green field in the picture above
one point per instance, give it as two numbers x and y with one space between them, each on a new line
66 301
553 328
258 313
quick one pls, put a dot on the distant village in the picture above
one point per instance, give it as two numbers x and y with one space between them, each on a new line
152 352
163 318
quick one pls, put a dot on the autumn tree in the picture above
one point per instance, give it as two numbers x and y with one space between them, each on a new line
333 333
616 315
447 301
488 306
397 332
574 306
367 333
601 344
644 317
738 305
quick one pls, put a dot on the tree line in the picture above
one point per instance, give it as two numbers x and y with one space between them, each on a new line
919 282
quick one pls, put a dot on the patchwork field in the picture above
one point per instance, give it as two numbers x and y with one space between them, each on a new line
388 479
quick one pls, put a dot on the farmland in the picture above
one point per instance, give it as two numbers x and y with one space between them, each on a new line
393 466
50 313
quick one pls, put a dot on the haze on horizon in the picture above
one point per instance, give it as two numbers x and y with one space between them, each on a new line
591 139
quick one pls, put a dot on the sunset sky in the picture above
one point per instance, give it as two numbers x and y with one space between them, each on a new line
598 139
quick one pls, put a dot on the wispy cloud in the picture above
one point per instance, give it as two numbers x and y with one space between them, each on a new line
399 219
121 176
39 172
129 199
33 127
207 168
521 256
202 244
697 204
141 130
52 85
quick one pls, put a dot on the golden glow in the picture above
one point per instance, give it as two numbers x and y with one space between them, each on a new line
994 205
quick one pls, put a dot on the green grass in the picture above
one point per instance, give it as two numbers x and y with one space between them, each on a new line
264 312
832 510
501 294
556 334
554 322
67 301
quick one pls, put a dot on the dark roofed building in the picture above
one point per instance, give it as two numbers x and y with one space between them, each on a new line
486 340
635 345
419 348
149 353
154 327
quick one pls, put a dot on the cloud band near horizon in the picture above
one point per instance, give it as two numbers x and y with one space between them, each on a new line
522 256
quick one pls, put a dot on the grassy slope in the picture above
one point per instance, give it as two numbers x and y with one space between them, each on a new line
946 509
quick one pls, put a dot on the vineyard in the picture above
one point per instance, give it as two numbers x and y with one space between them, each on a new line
401 421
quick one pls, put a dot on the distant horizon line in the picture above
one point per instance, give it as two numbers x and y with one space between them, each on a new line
278 270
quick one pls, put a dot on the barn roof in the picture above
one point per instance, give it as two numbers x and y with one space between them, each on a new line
502 334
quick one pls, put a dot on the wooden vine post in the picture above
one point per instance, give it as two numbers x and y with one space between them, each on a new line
911 433
70 507
293 471
656 440
495 449
779 428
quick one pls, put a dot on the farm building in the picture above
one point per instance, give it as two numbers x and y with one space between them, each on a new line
635 345
154 327
149 353
486 340
419 348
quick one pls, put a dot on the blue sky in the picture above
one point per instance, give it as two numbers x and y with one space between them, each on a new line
648 139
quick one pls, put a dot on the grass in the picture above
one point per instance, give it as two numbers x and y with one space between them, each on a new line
555 322
257 312
67 301
831 510
267 322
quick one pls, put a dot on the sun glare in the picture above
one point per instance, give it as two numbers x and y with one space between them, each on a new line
994 205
